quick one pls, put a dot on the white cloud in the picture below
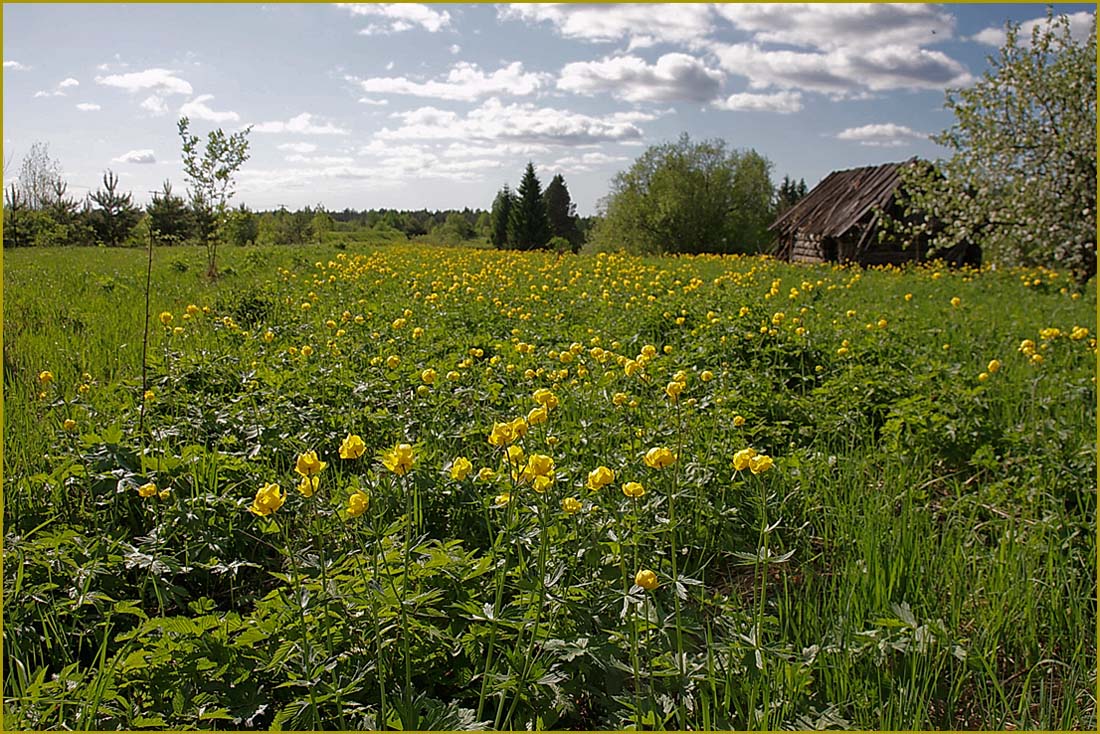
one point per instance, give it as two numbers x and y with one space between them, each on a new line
675 77
521 123
88 107
162 82
373 102
155 105
59 90
464 82
197 109
521 150
782 102
144 156
398 17
843 73
641 24
1079 26
831 26
302 125
884 135
15 66
320 160
300 148
68 83
43 93
455 48
585 163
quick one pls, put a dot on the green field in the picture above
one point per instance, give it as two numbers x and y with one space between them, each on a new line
918 552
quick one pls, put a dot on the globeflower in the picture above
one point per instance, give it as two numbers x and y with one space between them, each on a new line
503 499
538 465
546 398
741 458
760 463
706 376
646 579
461 468
536 416
147 490
519 427
308 465
357 503
45 377
600 477
659 458
166 317
502 434
486 474
633 490
309 485
571 505
994 366
352 447
738 421
268 499
673 390
69 425
399 459
428 376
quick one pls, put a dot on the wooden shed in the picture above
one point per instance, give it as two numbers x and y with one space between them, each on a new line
838 221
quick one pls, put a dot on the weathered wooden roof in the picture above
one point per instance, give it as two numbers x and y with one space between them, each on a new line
841 200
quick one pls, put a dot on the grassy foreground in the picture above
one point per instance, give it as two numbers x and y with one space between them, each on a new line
530 503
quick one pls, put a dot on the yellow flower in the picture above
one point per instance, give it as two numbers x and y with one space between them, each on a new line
760 463
633 490
166 317
909 296
649 350
536 416
706 376
308 465
741 458
618 398
955 302
461 468
659 458
193 310
147 490
519 427
69 425
646 579
600 477
994 366
541 484
738 421
673 390
399 459
423 391
453 375
165 493
538 465
352 447
428 376
45 377
150 396
308 485
632 367
392 361
357 504
268 499
546 398
503 499
486 474
571 505
515 455
983 377
307 350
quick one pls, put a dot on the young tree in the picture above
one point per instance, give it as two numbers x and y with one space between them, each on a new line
690 197
116 214
528 226
1021 180
212 177
242 227
321 224
38 176
168 216
499 218
561 213
16 231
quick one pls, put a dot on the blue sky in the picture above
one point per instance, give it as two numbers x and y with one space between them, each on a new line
437 106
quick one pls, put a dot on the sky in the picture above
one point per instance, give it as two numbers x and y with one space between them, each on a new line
415 106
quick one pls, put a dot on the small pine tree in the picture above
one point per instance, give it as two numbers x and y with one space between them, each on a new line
500 217
168 216
529 229
116 214
561 213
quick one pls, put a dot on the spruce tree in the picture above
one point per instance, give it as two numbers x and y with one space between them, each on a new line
529 228
561 213
168 216
116 214
499 218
